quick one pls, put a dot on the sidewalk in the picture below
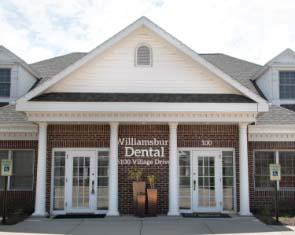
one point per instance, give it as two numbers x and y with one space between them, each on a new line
126 225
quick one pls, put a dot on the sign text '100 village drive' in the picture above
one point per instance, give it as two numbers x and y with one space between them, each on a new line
143 151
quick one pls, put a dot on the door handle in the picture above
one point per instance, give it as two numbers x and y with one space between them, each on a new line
194 185
92 190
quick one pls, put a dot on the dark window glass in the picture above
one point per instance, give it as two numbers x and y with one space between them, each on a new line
287 84
3 155
4 82
22 170
261 174
287 162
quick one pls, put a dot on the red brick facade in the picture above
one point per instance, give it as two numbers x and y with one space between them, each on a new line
222 136
20 199
73 136
261 199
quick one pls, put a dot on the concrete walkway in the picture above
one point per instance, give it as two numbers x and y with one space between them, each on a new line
147 226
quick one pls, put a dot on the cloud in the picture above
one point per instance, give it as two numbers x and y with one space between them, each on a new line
253 30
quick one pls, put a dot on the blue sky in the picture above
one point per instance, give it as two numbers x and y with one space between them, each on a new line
254 30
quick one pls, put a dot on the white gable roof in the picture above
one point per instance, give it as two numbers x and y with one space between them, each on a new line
286 57
143 21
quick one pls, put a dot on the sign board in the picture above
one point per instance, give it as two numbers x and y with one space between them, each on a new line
6 167
275 172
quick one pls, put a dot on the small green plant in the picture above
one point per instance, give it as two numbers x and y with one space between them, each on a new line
135 174
151 180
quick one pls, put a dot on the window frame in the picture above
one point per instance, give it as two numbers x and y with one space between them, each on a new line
8 188
151 56
277 161
279 80
10 82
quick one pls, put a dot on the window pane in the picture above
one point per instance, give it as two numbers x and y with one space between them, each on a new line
3 155
228 180
59 180
5 82
102 180
22 170
262 161
287 162
287 84
184 180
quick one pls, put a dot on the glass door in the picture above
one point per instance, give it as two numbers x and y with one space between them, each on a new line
81 181
206 178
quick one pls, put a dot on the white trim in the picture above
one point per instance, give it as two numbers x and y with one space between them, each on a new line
18 132
143 21
154 117
271 133
35 106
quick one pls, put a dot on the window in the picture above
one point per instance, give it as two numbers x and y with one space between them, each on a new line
4 82
102 180
287 84
59 180
262 161
143 56
228 180
22 169
287 161
184 180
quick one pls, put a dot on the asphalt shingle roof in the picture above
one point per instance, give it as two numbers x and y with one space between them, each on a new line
8 115
276 116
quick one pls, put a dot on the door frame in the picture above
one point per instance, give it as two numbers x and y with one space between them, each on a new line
191 149
65 211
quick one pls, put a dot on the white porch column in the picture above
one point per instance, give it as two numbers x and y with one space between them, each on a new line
113 167
173 171
244 169
40 208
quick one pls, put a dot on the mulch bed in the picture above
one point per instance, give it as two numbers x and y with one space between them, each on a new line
285 218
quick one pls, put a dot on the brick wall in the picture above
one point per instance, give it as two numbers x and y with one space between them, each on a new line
222 136
73 136
261 199
20 199
143 132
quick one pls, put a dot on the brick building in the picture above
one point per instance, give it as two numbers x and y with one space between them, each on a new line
206 125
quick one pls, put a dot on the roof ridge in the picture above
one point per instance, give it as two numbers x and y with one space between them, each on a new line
60 56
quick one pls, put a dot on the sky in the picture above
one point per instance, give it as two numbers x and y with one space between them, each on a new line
254 30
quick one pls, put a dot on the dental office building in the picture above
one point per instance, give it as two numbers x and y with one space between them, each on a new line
206 125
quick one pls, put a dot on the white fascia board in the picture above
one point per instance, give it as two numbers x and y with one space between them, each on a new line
143 21
34 106
271 129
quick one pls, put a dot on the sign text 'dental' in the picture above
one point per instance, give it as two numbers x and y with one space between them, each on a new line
143 151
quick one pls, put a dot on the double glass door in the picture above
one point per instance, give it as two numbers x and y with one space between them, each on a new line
206 181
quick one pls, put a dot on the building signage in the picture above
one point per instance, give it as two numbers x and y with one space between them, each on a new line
6 167
143 151
275 172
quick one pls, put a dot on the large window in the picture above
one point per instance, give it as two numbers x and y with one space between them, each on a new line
5 82
261 169
287 84
22 169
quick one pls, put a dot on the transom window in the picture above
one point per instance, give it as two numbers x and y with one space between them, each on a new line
5 82
143 56
261 173
287 84
22 169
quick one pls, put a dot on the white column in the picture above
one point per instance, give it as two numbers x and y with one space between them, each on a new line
40 200
173 171
113 169
244 169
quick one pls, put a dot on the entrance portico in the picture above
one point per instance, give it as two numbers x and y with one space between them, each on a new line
207 156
